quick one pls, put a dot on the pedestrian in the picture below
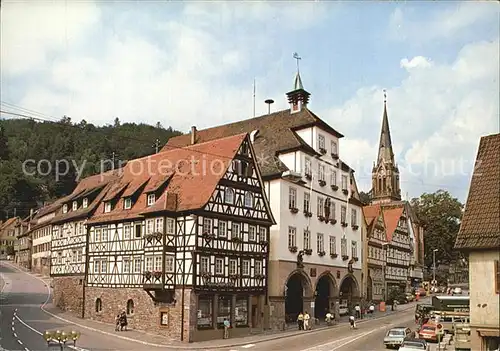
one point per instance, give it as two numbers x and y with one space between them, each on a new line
358 311
117 322
300 321
329 318
123 321
306 321
226 328
372 308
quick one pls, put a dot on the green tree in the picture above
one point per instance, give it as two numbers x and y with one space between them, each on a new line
365 197
439 214
4 149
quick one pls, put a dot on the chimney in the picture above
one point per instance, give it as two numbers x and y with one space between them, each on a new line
269 102
193 135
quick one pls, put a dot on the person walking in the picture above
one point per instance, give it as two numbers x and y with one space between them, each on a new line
117 322
227 325
306 321
357 308
123 321
300 321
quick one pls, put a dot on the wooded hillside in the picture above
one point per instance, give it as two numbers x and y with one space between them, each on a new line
82 144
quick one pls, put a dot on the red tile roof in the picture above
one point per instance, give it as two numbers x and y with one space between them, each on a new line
191 175
391 219
370 213
480 227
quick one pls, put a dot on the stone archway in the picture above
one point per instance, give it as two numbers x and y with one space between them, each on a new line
324 292
297 287
349 290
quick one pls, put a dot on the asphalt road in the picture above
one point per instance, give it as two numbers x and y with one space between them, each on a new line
367 337
23 322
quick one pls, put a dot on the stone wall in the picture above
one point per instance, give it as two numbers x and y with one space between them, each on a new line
146 313
68 293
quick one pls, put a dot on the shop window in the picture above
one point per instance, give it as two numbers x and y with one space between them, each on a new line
205 312
224 310
241 311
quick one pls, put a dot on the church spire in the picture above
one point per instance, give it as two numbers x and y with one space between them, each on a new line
385 174
298 97
385 152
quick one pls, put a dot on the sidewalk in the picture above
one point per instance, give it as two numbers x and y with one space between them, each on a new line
153 340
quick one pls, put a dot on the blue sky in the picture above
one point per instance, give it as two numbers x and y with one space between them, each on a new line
194 63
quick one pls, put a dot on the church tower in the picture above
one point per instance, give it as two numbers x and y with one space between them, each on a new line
385 174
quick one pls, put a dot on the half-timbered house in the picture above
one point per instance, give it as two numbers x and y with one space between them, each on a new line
316 253
181 243
69 239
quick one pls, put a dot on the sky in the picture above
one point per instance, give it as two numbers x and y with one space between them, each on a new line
194 63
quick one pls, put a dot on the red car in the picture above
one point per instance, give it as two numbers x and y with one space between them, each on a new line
428 332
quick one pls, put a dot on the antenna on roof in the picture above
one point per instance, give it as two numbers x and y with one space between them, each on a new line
254 97
269 102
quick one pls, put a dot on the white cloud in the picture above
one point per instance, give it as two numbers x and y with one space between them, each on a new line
33 31
436 115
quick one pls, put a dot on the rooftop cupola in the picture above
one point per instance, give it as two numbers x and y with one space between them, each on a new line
298 97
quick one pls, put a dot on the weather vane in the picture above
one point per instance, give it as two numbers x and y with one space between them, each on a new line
297 57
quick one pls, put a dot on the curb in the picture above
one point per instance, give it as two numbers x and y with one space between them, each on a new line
181 347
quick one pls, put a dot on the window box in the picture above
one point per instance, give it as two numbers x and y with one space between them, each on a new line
334 255
322 253
345 257
345 192
206 275
294 210
344 224
308 251
157 274
208 236
321 218
308 176
308 214
236 239
322 183
356 259
355 227
322 150
333 221
335 187
335 156
292 249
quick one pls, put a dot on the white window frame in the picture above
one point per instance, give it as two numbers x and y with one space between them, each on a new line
245 267
321 171
292 236
97 235
307 166
257 269
343 214
354 249
158 264
219 265
252 233
150 226
148 264
262 234
75 206
159 224
320 242
169 264
248 200
137 265
151 199
321 206
235 230
65 208
292 197
105 234
307 202
344 182
333 245
104 266
107 207
127 231
307 239
204 264
333 177
85 203
233 266
343 246
208 225
222 229
127 203
126 265
334 149
354 217
170 226
321 141
229 196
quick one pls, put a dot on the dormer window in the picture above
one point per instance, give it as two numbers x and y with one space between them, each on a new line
75 205
127 203
85 203
229 196
107 207
151 199
65 208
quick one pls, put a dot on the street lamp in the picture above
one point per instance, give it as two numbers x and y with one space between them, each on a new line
434 266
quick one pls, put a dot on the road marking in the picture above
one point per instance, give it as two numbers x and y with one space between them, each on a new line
15 335
20 342
248 346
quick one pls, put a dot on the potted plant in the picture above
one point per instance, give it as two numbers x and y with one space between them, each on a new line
345 257
333 255
334 187
308 251
335 156
307 214
321 253
345 191
321 218
322 182
158 235
294 209
293 249
308 176
344 224
333 221
355 227
208 236
206 275
356 259
322 150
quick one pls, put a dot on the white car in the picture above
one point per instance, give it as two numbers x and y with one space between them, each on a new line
457 291
414 344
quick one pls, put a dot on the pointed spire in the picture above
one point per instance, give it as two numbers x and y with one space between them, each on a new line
385 152
297 84
298 97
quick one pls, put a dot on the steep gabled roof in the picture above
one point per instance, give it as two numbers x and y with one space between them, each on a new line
391 218
276 133
191 175
370 213
480 227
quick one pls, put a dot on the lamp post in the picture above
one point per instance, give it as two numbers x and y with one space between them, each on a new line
434 266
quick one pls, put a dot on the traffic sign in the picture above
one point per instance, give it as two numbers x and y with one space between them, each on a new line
439 328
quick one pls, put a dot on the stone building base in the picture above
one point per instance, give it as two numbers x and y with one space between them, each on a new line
68 293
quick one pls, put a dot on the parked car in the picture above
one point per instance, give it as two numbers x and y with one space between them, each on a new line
409 297
457 291
395 337
428 332
414 344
